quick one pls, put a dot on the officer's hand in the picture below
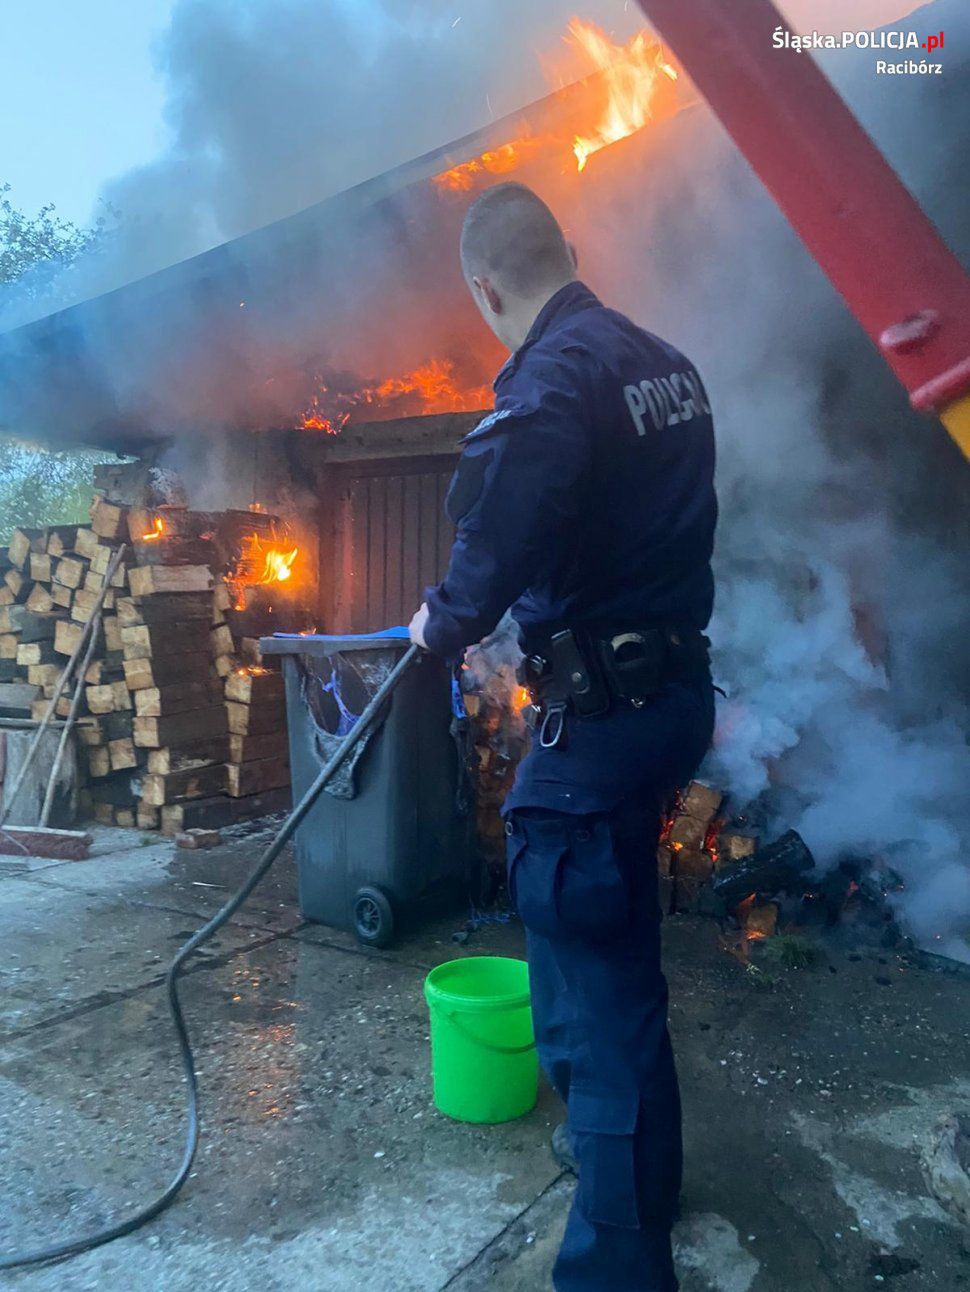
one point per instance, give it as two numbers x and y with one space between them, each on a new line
418 625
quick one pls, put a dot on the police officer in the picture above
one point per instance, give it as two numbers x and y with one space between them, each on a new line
585 502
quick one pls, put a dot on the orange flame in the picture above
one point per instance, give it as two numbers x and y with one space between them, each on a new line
156 532
314 420
497 161
260 564
432 388
631 73
631 76
436 386
711 839
279 566
522 699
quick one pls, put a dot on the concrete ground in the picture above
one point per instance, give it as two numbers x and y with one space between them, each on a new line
323 1164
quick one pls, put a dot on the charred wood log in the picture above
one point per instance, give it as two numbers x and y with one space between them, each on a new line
200 753
171 523
176 551
778 867
163 608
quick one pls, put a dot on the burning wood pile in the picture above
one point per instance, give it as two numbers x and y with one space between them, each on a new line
179 721
497 742
692 843
711 864
707 865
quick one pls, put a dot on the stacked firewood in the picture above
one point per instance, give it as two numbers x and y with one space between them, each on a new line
259 761
181 724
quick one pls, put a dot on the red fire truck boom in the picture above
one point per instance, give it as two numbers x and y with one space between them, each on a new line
862 225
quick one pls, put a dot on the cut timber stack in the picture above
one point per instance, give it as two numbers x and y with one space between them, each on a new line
259 761
179 723
30 664
177 730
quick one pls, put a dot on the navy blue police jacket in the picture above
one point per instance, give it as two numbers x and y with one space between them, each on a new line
586 499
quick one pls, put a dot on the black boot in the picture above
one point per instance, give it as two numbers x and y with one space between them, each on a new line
562 1149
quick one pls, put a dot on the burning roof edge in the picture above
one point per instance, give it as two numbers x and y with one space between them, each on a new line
54 342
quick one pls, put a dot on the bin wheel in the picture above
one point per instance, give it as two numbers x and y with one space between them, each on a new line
373 918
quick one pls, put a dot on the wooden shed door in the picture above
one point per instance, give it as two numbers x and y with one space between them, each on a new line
390 540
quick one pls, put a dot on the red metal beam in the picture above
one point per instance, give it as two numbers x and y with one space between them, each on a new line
839 193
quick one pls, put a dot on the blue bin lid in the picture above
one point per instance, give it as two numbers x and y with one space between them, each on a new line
325 644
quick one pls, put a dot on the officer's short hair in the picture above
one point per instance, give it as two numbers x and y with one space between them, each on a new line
511 235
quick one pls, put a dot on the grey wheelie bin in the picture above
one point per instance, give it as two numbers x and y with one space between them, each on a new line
387 837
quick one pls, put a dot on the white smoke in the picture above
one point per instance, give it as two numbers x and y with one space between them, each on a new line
841 564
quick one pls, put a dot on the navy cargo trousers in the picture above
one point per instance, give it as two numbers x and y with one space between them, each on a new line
584 881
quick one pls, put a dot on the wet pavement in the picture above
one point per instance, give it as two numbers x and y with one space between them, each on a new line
808 1092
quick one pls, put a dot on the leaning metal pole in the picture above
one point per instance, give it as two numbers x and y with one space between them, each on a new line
841 196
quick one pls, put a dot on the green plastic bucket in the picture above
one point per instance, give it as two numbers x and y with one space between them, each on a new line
483 1055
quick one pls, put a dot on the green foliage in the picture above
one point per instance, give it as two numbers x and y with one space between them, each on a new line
40 242
38 488
791 951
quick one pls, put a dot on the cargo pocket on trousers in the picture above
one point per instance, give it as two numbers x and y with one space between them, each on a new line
564 878
603 1124
535 879
594 900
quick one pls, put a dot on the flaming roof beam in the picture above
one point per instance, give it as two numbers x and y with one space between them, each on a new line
66 378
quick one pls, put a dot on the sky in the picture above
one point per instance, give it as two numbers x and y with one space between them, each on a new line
81 100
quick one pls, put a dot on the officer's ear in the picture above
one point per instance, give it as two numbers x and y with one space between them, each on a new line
488 295
573 254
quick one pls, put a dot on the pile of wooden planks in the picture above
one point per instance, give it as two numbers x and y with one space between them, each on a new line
259 758
182 724
695 840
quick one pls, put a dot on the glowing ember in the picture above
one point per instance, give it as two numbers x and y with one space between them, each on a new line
498 161
156 532
667 824
314 420
758 920
522 699
632 74
711 838
432 388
